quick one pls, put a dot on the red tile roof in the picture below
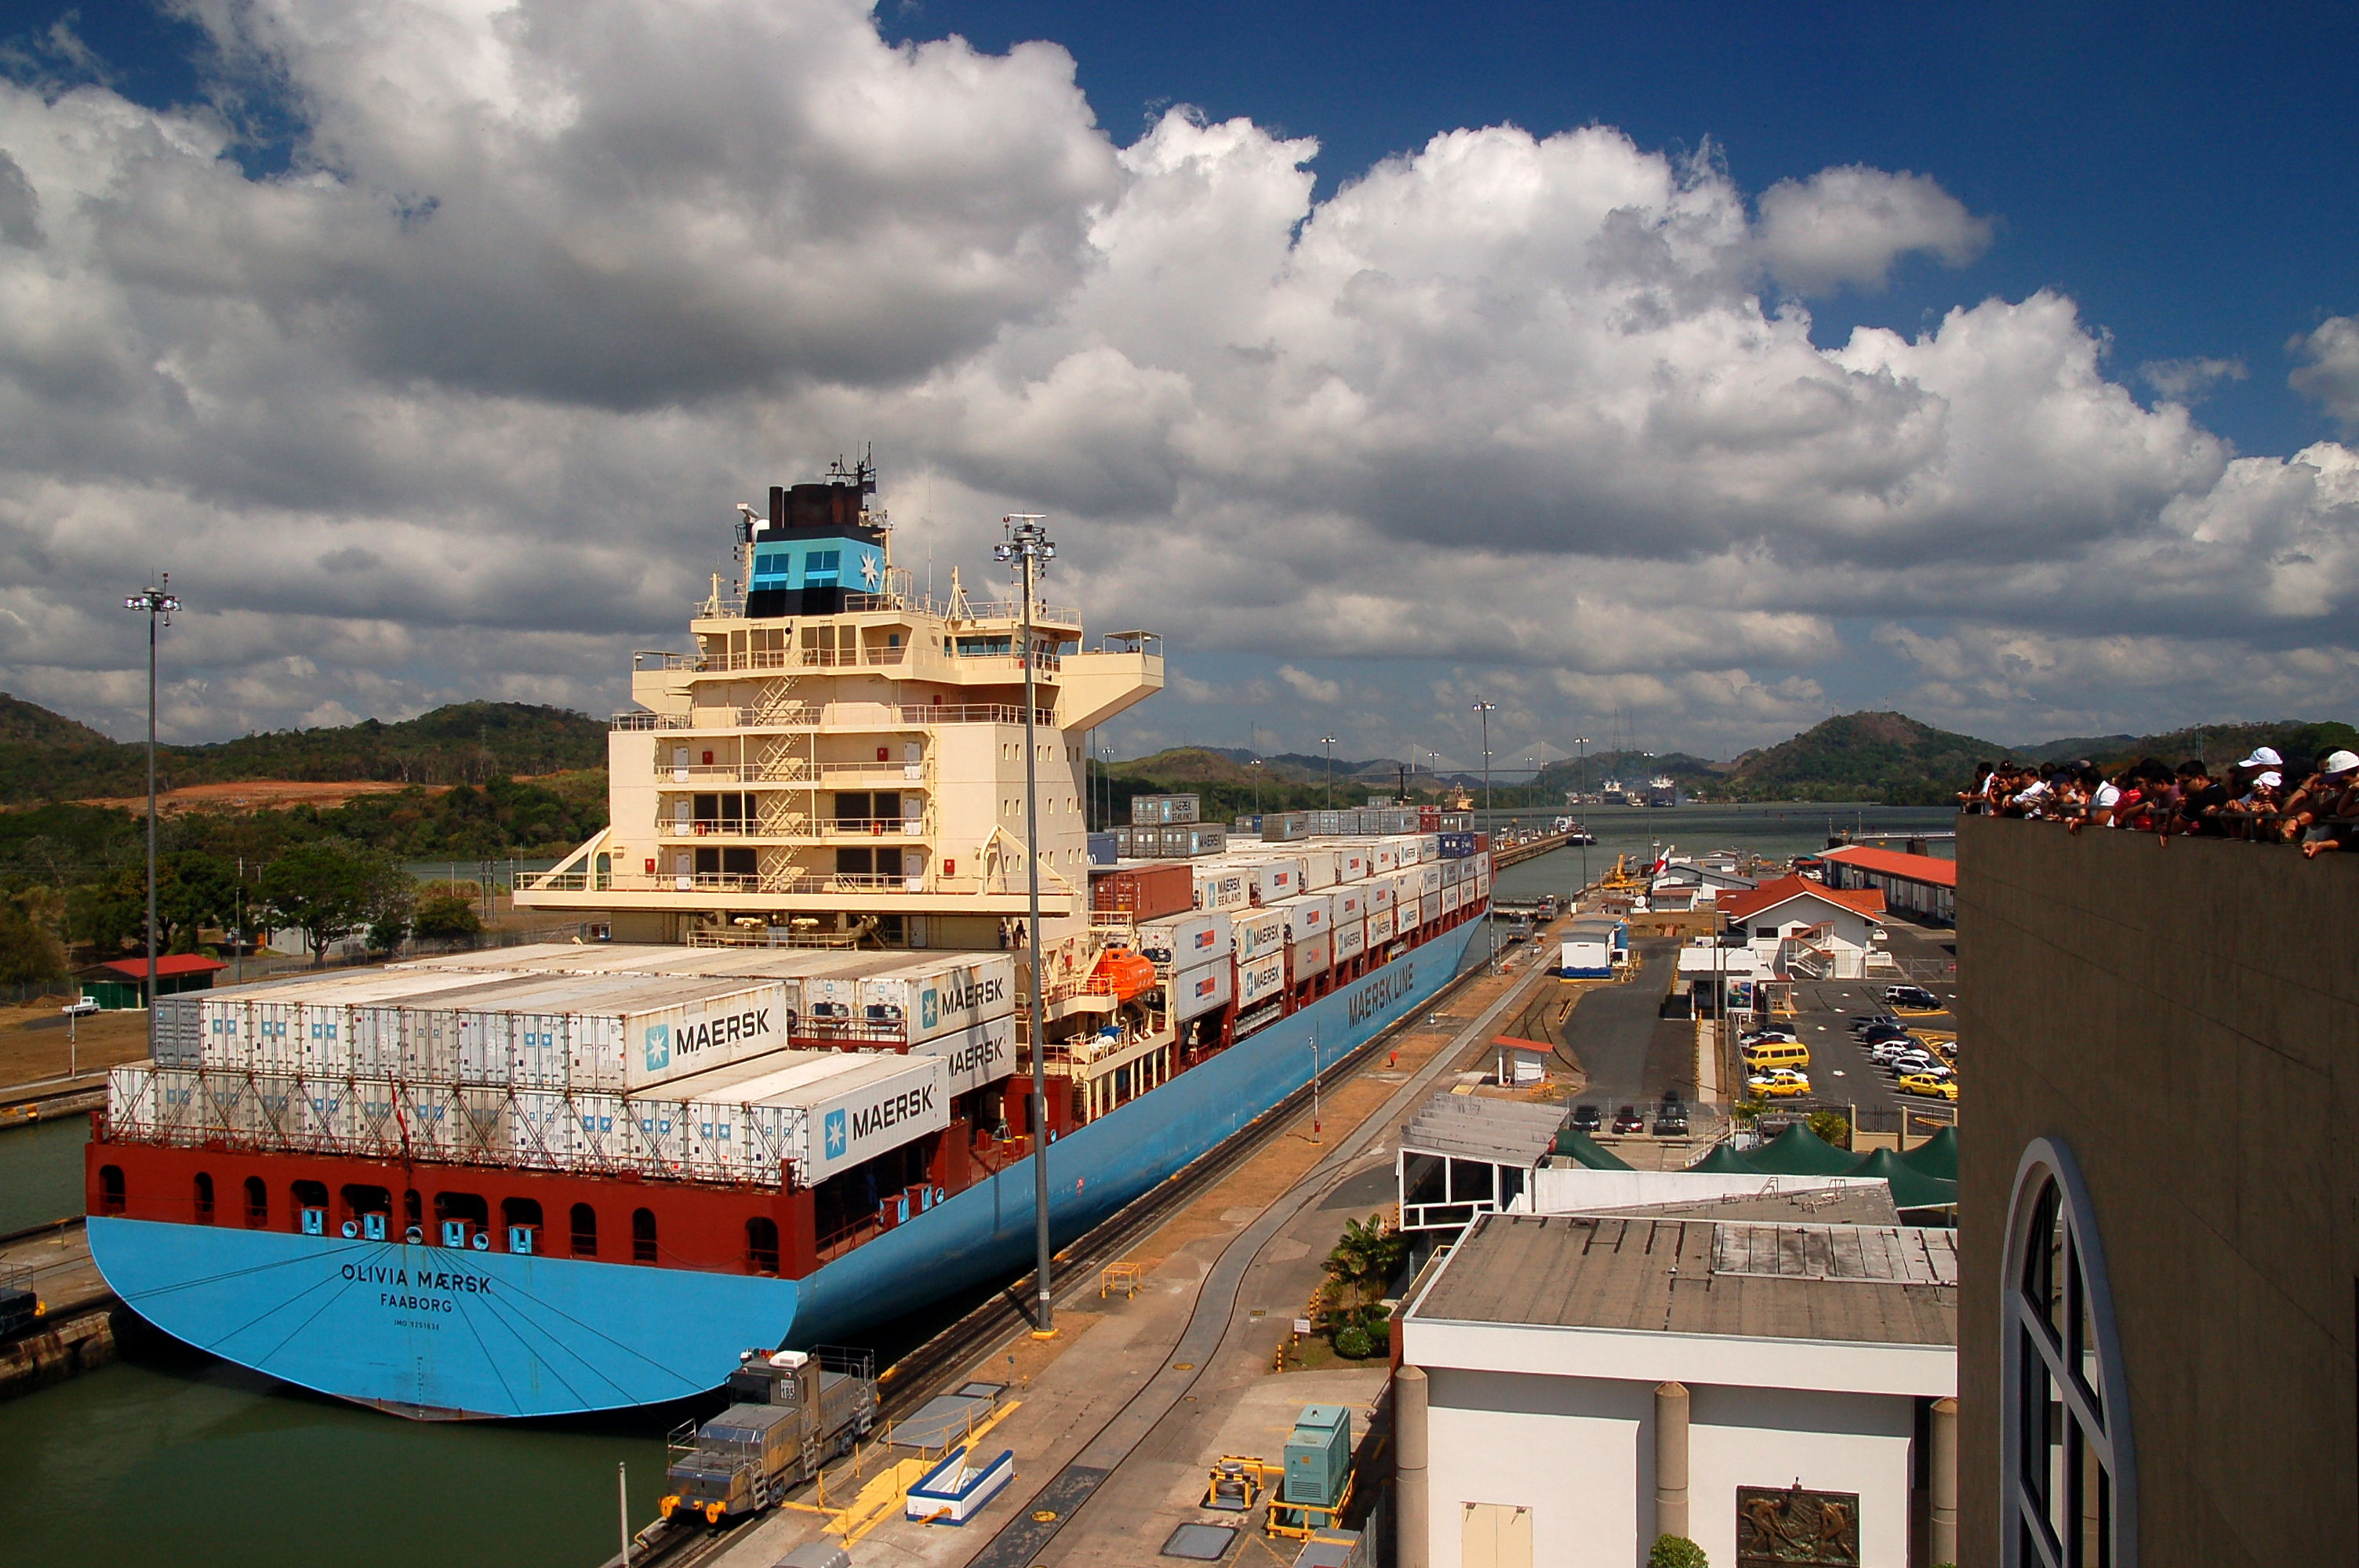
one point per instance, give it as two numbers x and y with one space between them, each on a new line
168 964
1739 906
1929 869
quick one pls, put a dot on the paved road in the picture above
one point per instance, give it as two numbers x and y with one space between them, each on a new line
1631 1055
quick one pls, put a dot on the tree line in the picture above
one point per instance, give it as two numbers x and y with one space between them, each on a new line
74 878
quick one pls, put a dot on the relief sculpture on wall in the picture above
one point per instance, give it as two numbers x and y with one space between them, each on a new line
1781 1527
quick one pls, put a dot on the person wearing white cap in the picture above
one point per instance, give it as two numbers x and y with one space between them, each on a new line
2332 792
2263 757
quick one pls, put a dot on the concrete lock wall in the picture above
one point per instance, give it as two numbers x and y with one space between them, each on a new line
2186 1021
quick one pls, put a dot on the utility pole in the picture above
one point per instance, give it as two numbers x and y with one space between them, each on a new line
1490 931
1329 742
1028 544
155 602
1255 766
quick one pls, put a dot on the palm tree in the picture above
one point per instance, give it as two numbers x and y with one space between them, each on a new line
1363 1262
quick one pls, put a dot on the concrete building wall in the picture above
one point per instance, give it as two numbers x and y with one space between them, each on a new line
1775 1437
1569 1449
1579 1452
2186 1021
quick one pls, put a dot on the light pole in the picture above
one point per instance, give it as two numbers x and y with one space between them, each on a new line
1490 931
1329 741
1255 765
157 603
1028 544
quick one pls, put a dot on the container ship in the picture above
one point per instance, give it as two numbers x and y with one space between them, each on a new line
781 1093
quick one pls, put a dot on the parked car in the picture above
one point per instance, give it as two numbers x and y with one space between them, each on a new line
1671 1120
1916 997
1928 1084
1881 1030
1885 1050
1778 1083
1867 1022
1627 1119
1912 1062
1585 1119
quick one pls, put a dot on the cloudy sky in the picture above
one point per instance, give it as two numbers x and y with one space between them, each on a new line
1383 358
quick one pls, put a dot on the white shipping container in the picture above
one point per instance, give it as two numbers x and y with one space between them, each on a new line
1260 979
1429 848
1312 955
1190 940
1381 894
1274 880
379 1117
1351 864
891 1100
1260 935
1383 858
1350 939
1430 907
1406 914
1450 898
1351 904
973 1057
1381 927
1222 885
949 993
275 1029
1318 869
1452 873
1308 916
1204 988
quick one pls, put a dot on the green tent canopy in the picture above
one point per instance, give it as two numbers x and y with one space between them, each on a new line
1937 1156
1584 1150
1724 1160
1799 1152
1911 1188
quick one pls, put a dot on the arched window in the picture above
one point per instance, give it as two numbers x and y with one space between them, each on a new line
585 1231
257 1203
110 1197
2072 1500
761 1245
204 1210
643 1236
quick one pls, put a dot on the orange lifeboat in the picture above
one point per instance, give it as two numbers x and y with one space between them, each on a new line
1120 975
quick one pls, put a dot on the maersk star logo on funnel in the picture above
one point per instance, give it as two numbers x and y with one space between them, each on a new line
659 1047
929 1008
838 1138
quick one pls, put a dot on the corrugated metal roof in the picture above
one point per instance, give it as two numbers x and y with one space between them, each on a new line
1604 1271
1471 1127
1927 868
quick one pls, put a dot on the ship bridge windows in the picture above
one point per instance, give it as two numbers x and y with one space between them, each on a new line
744 862
987 646
586 1230
762 1244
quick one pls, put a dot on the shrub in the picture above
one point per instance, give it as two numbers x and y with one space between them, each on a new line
1676 1552
1353 1343
1832 1126
443 917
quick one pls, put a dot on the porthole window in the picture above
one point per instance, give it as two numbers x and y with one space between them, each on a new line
2069 1483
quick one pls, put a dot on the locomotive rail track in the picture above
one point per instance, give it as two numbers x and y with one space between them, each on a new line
939 1363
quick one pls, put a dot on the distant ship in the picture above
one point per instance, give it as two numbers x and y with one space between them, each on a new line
789 1097
1612 793
1662 790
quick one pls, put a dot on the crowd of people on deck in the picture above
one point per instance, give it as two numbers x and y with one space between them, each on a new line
2265 798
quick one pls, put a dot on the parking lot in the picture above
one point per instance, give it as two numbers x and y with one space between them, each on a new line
1841 1073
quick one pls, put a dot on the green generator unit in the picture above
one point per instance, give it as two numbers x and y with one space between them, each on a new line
1318 1456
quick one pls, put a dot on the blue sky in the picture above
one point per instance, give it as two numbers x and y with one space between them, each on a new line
1998 364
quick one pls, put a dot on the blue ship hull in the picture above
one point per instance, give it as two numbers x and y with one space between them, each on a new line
428 1331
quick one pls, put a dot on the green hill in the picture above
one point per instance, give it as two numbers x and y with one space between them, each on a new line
1888 757
45 756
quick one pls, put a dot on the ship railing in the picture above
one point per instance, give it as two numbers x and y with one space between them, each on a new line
794 773
811 828
1043 664
852 715
1004 882
1013 610
766 659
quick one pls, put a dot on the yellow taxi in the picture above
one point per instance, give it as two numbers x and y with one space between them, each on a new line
1926 1084
1778 1083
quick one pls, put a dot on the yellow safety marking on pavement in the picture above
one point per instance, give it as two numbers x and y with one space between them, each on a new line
887 1490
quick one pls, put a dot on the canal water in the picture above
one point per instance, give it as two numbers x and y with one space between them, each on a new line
170 1456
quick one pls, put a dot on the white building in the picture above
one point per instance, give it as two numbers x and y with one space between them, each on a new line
1807 931
1574 1385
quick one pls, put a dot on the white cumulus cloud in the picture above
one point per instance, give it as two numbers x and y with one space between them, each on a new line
2331 373
1852 224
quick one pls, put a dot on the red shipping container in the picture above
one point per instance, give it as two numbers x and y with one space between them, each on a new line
1429 818
1146 892
1482 843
